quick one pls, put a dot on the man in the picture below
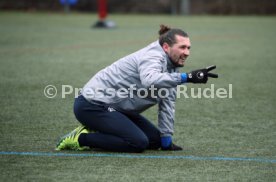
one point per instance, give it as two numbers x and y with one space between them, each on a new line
111 118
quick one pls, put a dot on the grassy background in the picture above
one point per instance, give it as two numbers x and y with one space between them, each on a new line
38 49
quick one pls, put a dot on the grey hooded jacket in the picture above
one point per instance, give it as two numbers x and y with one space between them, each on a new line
132 84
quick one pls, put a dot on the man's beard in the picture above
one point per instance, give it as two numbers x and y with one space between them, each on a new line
174 63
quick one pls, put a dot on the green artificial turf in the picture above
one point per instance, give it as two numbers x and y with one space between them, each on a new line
40 49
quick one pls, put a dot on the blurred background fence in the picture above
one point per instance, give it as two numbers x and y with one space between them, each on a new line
227 7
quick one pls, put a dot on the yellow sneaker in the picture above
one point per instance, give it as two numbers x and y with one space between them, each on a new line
70 141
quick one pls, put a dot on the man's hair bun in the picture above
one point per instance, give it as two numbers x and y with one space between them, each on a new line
163 29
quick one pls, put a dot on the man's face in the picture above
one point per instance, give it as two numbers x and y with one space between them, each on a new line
179 51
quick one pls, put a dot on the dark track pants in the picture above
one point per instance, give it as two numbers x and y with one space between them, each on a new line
115 131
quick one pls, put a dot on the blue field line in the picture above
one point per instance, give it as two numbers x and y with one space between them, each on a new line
49 154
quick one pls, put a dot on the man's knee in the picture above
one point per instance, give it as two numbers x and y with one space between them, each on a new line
140 144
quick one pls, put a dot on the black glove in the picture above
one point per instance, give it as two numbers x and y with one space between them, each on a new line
201 75
172 147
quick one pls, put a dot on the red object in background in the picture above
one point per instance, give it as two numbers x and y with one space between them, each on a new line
102 14
102 9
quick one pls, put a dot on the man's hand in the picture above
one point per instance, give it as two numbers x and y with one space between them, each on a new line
172 147
201 75
167 144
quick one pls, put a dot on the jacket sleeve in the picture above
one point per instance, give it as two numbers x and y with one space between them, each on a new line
166 112
151 73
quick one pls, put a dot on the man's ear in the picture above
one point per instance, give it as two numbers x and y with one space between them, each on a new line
166 47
